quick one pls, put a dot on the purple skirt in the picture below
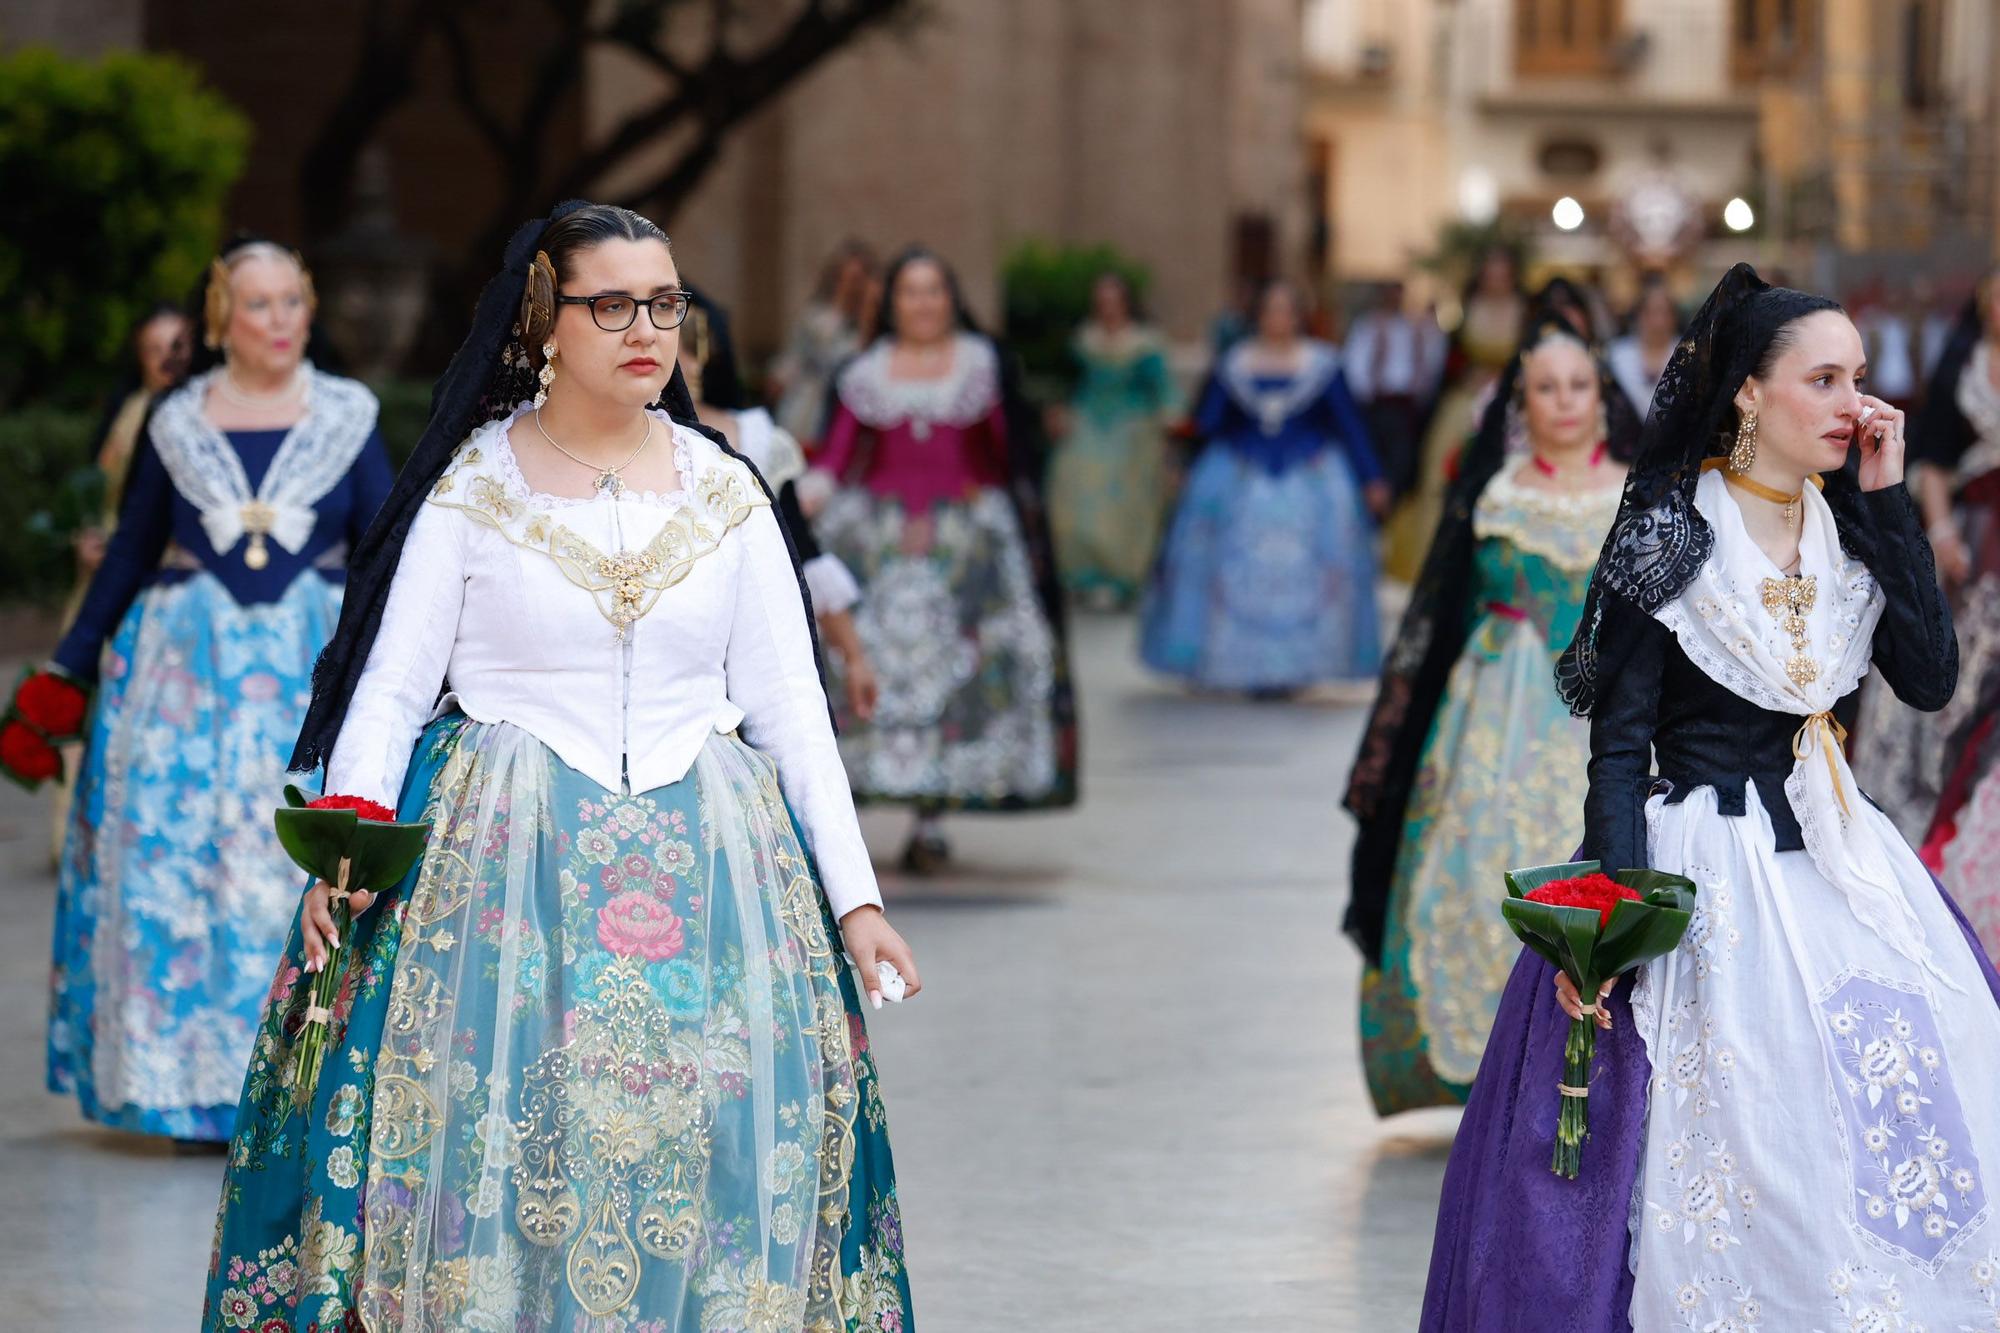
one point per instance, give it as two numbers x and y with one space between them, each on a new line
1518 1249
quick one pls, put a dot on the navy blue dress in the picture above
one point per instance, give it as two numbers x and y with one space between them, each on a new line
174 895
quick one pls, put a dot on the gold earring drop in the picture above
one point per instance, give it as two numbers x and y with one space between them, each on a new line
548 375
1744 455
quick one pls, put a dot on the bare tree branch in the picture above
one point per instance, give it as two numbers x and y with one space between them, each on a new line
392 34
465 87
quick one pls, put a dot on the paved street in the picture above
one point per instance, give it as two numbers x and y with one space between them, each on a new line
1127 1101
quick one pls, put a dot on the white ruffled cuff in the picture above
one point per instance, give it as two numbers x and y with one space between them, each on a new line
832 585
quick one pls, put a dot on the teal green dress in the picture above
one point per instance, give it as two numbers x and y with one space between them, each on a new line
551 1102
1108 483
1500 784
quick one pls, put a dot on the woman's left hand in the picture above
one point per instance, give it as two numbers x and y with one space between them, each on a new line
1881 439
870 939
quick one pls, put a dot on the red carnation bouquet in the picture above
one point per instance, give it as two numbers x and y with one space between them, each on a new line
356 846
1592 927
46 712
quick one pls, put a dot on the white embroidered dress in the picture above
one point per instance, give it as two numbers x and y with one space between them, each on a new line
1825 1103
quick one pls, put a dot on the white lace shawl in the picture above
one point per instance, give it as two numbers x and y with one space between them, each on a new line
1277 404
960 397
313 457
1721 623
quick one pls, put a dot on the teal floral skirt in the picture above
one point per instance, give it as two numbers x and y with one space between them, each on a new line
596 1067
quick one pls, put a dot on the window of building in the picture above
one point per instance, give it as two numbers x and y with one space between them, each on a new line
1770 38
1565 37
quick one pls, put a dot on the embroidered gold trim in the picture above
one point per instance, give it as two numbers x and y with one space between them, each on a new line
626 585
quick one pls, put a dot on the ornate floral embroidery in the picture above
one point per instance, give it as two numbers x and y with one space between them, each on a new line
174 895
1699 1064
1907 1139
968 662
1566 530
1871 1301
1716 1303
648 1004
484 484
1708 1198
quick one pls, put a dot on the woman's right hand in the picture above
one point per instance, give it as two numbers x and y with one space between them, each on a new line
316 920
1566 997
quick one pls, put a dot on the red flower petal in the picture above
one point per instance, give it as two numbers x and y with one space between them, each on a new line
366 809
53 704
1596 891
26 755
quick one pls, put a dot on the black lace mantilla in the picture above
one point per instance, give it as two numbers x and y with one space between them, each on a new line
1659 542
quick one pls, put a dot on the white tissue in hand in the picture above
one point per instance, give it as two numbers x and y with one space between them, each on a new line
891 979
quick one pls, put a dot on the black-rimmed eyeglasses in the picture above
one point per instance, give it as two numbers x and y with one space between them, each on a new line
615 311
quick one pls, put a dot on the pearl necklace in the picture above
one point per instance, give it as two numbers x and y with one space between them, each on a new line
227 387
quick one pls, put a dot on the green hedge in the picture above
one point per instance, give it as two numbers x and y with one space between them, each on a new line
113 178
1046 292
45 455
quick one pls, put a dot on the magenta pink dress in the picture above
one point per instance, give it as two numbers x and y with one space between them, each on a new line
975 709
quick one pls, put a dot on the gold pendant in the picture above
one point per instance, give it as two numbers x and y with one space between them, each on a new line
1789 600
254 555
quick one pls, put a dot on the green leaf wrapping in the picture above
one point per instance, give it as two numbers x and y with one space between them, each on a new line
1521 883
1570 938
1565 936
379 854
316 839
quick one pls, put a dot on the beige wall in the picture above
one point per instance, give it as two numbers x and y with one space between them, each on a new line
1148 125
1453 107
74 27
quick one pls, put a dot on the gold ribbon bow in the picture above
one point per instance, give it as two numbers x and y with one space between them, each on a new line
1826 729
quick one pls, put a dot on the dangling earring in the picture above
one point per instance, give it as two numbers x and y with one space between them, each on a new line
1744 455
548 375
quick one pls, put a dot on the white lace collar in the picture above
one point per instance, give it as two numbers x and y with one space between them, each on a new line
1566 529
1732 623
960 397
1273 405
314 456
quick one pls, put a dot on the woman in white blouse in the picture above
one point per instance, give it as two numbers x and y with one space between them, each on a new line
597 1061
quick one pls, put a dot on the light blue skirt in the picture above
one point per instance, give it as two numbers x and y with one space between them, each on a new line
173 893
1266 581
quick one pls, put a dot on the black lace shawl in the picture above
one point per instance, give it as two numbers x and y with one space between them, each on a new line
1659 542
489 376
1431 637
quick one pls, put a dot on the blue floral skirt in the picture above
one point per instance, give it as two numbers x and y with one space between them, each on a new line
173 892
595 1065
1265 581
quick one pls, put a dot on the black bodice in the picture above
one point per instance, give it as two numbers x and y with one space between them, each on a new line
1664 724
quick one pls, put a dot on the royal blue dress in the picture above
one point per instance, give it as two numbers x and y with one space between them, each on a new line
1266 580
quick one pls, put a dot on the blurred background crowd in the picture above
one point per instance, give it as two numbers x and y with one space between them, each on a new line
1403 160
